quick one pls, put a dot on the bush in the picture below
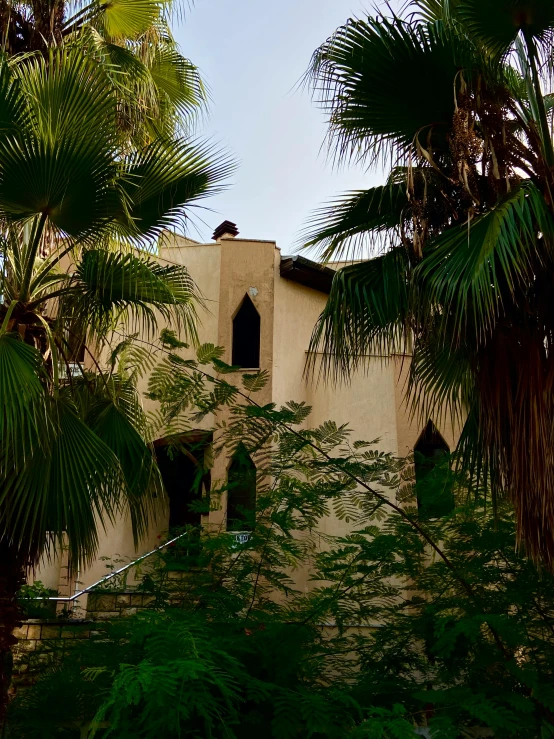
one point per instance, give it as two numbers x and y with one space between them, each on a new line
437 626
34 603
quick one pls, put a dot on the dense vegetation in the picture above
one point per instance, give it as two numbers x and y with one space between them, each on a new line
409 621
454 98
159 91
96 162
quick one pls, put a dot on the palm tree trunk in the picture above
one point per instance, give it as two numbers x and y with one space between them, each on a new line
48 21
12 577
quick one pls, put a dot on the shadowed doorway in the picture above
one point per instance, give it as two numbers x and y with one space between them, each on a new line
186 482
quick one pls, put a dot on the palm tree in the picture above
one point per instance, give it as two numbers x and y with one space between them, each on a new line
159 91
75 208
453 96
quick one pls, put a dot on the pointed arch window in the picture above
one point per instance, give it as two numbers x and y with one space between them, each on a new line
182 465
241 491
246 335
435 497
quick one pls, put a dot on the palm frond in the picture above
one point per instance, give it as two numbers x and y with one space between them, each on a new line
496 23
441 380
119 421
384 83
469 270
118 19
71 483
166 178
366 312
23 418
177 79
120 63
346 226
61 162
112 284
13 111
160 92
425 11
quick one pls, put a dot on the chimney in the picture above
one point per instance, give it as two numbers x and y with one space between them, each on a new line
227 228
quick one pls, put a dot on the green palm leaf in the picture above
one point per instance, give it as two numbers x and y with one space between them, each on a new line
13 112
347 224
125 19
62 92
60 164
158 88
470 270
366 312
71 483
120 64
385 82
177 80
109 283
21 397
115 425
166 176
497 22
441 380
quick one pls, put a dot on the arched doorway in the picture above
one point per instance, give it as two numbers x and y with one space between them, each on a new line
433 474
241 491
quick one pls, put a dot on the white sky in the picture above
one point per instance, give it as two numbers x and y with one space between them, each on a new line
252 54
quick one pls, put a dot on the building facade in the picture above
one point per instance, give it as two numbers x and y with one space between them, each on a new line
261 306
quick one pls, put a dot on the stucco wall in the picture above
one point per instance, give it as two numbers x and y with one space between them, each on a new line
246 269
116 541
367 404
372 403
203 262
410 425
296 311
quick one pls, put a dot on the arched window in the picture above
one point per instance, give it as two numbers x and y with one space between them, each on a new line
246 336
433 474
182 467
241 491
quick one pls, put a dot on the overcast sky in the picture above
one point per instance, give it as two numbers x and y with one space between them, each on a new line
252 53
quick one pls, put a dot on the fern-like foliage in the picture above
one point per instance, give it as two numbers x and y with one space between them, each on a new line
407 625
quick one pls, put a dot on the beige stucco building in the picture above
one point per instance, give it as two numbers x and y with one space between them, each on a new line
281 297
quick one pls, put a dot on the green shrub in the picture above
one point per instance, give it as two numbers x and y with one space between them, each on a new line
34 603
438 626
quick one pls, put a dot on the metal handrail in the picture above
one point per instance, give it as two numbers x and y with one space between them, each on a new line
69 598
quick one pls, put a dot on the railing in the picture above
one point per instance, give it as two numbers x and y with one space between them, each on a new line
241 537
70 598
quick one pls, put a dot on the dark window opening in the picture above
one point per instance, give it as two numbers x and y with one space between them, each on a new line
241 491
435 497
246 336
181 464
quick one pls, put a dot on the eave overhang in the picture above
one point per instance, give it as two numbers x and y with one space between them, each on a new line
307 273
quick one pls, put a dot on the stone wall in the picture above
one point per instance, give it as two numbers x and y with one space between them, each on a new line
38 637
107 606
36 630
